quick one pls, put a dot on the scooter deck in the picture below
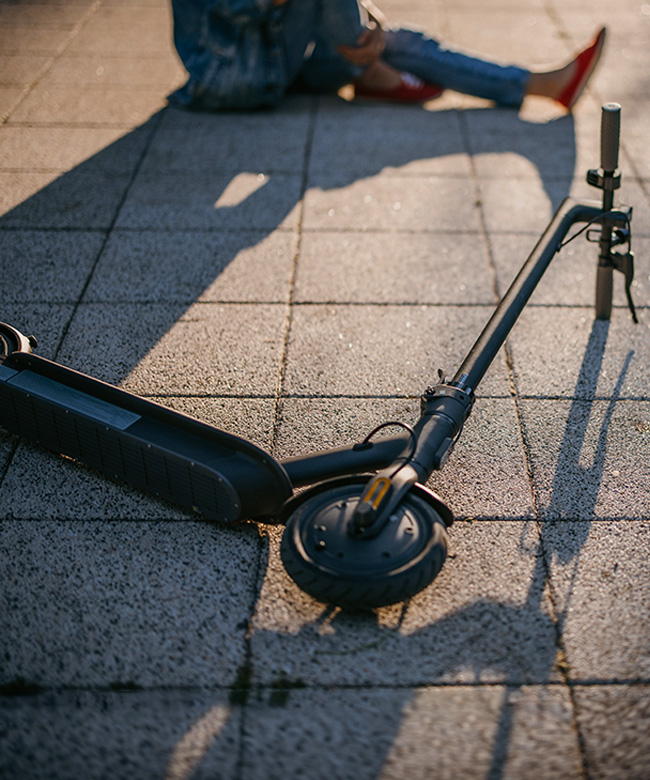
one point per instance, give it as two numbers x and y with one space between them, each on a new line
137 441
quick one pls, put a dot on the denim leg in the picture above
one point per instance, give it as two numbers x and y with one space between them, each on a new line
230 64
415 52
312 30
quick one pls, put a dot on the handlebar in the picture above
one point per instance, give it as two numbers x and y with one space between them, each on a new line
610 128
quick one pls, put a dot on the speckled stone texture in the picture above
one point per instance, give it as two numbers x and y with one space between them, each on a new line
297 277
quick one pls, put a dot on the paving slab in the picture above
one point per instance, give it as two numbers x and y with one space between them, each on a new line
123 30
507 33
598 573
487 618
56 17
9 97
110 150
567 354
387 201
104 71
382 350
313 424
24 37
417 13
18 69
411 732
193 200
357 267
29 267
218 266
589 459
168 348
366 139
250 418
78 199
274 142
83 106
148 601
507 144
171 734
520 205
615 752
633 145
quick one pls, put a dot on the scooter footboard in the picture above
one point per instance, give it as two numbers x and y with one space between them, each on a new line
131 439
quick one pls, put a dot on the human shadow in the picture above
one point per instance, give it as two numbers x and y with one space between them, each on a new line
137 200
154 220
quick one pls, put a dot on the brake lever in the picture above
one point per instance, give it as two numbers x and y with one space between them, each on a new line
624 262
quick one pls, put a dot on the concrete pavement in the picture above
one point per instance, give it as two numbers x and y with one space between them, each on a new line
297 277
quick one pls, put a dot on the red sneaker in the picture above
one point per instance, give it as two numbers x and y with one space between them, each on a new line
410 90
585 64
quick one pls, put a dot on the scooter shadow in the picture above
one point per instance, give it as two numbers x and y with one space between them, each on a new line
462 676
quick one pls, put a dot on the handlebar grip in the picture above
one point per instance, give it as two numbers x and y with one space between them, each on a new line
610 129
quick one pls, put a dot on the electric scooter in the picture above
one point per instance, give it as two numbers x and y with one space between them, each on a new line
366 532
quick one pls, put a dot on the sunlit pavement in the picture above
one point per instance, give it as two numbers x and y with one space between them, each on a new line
297 277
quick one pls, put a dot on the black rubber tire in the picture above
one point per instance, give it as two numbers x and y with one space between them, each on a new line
325 561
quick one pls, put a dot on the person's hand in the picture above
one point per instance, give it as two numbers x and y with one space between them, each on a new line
369 48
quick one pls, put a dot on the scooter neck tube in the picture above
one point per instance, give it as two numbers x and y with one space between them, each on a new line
511 305
608 181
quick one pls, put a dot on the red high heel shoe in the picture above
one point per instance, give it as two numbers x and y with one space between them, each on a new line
585 64
410 90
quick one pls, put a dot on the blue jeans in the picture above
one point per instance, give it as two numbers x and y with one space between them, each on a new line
433 62
247 53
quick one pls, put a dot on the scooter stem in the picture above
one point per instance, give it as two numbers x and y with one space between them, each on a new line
511 305
608 180
446 406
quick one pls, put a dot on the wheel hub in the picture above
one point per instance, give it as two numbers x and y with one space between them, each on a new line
326 532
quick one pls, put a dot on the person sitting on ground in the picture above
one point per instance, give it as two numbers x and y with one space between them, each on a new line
246 54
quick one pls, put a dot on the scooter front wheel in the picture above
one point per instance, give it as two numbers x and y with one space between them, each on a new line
356 572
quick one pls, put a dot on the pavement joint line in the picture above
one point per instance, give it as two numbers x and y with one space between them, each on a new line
134 690
389 397
74 32
506 350
282 370
116 214
260 565
184 518
73 126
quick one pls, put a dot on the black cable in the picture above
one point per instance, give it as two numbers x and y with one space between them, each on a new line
412 438
587 226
